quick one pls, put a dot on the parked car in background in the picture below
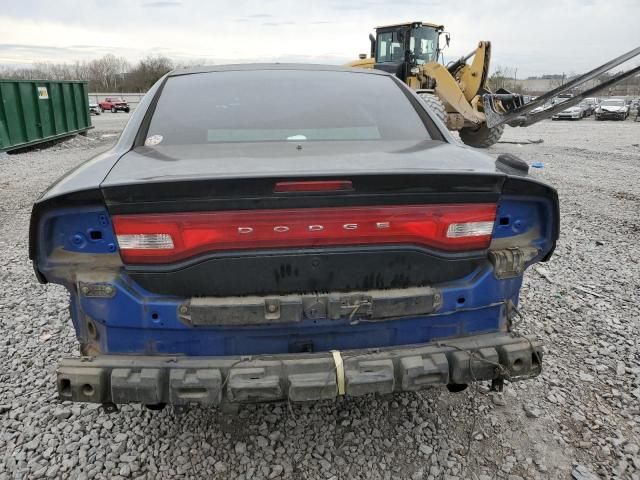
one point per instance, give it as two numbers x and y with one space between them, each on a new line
576 112
114 104
94 107
543 107
550 103
301 243
612 109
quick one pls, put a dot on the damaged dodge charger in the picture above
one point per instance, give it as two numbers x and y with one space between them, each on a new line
290 232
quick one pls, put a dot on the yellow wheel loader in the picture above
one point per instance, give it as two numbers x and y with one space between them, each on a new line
458 92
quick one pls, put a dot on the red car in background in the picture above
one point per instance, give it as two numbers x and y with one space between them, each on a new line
114 104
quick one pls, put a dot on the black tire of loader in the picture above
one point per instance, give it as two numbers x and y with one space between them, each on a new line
435 105
481 137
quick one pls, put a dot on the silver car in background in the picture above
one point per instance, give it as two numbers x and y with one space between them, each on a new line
576 112
93 107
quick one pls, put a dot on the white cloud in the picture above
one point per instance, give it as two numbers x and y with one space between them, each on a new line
542 37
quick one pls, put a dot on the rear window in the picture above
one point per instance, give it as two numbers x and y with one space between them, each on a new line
282 106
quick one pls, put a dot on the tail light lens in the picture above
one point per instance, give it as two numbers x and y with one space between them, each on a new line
469 229
165 238
145 241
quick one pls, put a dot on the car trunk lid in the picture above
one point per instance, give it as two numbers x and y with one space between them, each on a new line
243 176
269 220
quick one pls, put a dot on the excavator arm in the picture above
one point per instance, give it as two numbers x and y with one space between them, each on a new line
448 90
459 83
472 77
510 109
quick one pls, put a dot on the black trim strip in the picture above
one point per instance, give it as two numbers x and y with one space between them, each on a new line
280 252
260 203
257 193
143 131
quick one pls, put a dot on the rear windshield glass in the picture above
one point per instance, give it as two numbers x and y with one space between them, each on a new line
282 106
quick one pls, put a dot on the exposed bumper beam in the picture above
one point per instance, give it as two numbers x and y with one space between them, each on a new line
298 377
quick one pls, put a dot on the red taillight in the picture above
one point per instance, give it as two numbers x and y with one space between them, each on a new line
165 238
313 186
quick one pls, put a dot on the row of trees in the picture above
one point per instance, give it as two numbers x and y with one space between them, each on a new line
106 74
115 74
503 77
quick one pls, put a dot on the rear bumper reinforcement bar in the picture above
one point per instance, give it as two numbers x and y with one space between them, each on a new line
254 310
185 381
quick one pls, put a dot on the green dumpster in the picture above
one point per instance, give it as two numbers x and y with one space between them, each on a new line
35 111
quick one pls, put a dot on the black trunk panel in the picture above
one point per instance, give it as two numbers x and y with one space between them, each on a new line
306 271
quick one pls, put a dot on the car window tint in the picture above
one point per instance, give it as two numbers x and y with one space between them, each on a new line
283 106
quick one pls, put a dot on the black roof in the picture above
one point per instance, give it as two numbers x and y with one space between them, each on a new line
273 66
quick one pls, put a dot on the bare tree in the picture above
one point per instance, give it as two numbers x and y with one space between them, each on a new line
503 77
107 73
147 72
80 70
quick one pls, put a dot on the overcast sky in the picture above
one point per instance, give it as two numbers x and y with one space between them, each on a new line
534 36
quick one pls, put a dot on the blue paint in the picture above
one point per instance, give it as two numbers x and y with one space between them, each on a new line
324 336
136 321
519 215
76 230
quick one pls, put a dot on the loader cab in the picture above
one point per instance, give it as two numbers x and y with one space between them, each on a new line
399 48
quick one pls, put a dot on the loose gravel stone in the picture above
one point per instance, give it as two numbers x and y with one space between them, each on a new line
276 471
62 413
580 417
531 411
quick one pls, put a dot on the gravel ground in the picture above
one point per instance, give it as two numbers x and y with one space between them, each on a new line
580 419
